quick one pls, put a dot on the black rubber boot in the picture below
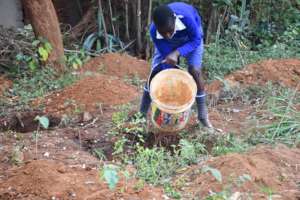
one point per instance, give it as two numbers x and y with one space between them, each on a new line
202 110
145 103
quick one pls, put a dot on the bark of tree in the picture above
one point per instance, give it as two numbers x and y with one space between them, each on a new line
148 47
100 12
139 26
212 24
111 18
45 24
126 21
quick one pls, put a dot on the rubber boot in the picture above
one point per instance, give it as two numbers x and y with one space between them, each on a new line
145 103
202 110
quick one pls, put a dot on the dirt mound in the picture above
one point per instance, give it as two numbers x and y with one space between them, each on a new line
274 171
120 65
285 72
45 179
88 94
4 84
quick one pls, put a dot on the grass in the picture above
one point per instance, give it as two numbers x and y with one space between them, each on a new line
282 110
29 86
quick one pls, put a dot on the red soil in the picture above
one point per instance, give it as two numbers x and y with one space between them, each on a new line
45 179
120 65
285 72
276 169
89 93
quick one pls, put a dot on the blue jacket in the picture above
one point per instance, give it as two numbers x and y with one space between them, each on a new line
193 31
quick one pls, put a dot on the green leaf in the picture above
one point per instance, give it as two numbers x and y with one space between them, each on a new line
110 175
48 47
19 56
75 65
216 173
32 65
43 121
79 62
43 53
35 43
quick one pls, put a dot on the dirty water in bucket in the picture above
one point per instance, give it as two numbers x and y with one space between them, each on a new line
173 93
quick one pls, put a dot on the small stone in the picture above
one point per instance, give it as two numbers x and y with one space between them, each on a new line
89 182
236 110
62 170
47 154
86 117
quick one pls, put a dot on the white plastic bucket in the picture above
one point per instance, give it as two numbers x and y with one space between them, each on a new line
173 93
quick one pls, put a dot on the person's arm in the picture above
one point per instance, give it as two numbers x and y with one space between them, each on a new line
195 35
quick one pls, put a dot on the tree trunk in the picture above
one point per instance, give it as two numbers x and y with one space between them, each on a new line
45 24
111 18
126 21
139 26
100 12
148 53
212 24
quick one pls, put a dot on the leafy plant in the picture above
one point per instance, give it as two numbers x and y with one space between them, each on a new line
154 165
43 49
190 151
110 174
44 122
39 83
229 144
76 59
171 192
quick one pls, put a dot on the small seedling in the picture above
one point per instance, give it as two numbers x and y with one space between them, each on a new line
44 122
110 174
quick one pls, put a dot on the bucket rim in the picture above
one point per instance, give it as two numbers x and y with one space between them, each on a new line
180 108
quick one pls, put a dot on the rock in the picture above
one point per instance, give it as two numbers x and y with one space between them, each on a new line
86 116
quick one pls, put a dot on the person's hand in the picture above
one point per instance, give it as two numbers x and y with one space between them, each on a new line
172 58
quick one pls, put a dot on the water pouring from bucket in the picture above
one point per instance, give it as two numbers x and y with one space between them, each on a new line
173 93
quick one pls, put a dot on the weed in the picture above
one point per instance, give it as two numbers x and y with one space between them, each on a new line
118 118
43 49
283 116
268 191
228 144
119 146
28 87
99 153
171 192
135 80
139 185
190 151
154 165
17 155
75 59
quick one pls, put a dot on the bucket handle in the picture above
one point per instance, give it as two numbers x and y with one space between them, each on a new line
152 74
